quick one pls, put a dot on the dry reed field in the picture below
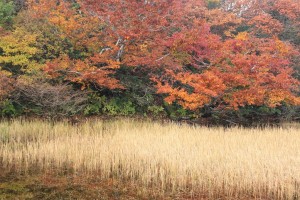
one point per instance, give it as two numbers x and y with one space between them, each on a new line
208 163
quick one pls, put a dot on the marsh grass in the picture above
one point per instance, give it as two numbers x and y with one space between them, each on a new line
215 162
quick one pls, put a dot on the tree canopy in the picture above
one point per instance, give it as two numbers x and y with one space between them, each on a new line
225 55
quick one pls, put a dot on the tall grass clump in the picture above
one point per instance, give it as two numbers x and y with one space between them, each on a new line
214 162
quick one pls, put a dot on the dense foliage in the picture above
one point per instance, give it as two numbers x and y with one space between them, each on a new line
229 61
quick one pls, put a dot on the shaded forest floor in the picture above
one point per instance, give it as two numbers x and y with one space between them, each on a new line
50 186
53 186
68 187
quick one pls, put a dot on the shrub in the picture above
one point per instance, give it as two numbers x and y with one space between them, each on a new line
5 85
42 98
7 12
95 104
7 109
156 110
119 106
177 112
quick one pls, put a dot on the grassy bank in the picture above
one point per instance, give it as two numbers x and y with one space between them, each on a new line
171 160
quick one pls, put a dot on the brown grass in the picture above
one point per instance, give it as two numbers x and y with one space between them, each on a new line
198 161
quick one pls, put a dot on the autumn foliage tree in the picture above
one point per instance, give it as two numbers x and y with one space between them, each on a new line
225 54
198 67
